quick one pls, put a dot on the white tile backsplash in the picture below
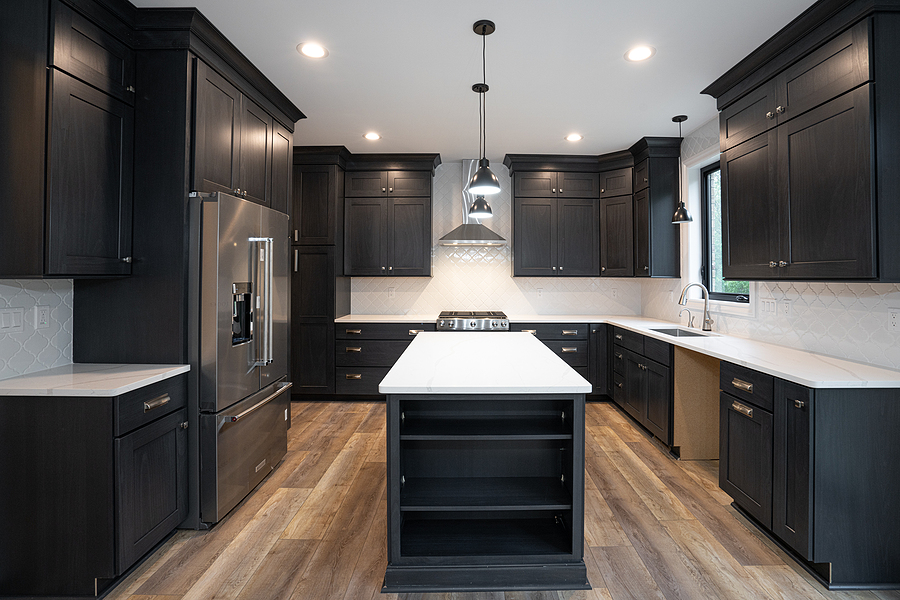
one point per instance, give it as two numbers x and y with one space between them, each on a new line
37 349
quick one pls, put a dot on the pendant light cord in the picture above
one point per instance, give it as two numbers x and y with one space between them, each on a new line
483 106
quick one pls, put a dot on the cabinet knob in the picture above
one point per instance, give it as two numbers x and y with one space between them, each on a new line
770 115
618 336
382 268
646 268
553 190
554 268
127 259
799 403
779 109
560 190
773 264
560 268
244 194
619 355
184 425
602 190
602 269
782 263
390 189
618 384
383 190
130 88
237 191
645 180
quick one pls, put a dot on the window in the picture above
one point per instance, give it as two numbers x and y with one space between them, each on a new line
711 271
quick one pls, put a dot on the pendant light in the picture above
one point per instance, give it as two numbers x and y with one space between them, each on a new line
484 182
682 215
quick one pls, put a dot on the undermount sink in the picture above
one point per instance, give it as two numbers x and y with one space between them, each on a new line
677 332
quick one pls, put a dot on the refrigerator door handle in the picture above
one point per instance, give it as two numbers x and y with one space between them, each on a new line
263 276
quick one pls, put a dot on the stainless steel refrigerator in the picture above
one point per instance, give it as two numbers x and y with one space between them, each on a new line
240 332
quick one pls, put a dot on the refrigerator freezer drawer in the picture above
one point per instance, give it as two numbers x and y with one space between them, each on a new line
239 446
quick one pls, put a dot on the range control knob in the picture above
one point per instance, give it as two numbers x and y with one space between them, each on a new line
504 324
452 324
441 324
472 324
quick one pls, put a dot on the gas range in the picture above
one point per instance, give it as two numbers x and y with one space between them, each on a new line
472 320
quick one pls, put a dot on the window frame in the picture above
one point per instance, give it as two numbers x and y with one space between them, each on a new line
706 240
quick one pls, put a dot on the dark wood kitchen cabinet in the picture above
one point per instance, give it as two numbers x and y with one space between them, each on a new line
556 237
569 341
365 352
76 222
599 356
98 484
542 184
806 130
617 236
387 215
657 241
642 381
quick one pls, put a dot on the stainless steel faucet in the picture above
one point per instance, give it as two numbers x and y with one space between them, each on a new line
707 320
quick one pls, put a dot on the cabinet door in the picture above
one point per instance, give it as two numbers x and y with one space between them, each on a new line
659 400
312 320
365 184
579 185
616 237
642 233
641 175
90 172
579 238
824 170
217 132
409 237
314 204
535 184
791 502
600 371
750 116
751 237
256 152
635 394
745 456
534 237
151 485
616 183
365 237
282 156
409 183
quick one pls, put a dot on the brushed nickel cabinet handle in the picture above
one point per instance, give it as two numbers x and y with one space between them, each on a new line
602 269
770 115
779 109
127 259
744 410
799 403
570 332
352 349
354 331
296 235
619 355
782 263
390 189
569 350
773 264
742 385
531 331
415 331
156 402
618 336
296 258
618 384
353 376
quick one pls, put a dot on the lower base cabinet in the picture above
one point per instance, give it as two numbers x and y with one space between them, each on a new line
485 492
365 352
92 486
642 381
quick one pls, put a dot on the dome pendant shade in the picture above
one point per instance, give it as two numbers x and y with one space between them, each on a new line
480 208
484 182
682 215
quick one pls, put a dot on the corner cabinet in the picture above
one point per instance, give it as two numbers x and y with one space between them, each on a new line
78 100
97 485
806 131
657 241
387 215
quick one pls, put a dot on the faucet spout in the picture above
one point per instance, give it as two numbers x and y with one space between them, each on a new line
707 320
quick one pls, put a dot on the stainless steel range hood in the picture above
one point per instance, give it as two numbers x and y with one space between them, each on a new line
471 232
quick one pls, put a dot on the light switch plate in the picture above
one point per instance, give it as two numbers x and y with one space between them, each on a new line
12 320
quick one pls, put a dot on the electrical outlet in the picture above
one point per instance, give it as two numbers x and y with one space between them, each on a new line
540 292
41 317
391 292
671 296
894 319
614 293
12 320
785 308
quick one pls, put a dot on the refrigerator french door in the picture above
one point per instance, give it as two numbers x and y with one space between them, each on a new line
242 344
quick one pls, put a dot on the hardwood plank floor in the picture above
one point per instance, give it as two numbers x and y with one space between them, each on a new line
655 528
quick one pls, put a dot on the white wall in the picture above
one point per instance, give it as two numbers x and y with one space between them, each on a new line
37 349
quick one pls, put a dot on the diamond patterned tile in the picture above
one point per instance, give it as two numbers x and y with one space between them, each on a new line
35 350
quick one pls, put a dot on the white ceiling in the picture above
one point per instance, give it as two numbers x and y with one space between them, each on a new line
404 68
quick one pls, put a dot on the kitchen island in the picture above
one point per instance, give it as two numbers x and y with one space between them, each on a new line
485 465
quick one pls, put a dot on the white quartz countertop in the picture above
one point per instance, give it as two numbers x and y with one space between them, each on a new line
481 362
799 366
84 379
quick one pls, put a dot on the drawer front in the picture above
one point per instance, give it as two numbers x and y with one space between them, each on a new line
658 350
379 331
553 331
368 353
618 360
574 353
745 456
149 403
619 389
642 175
628 339
747 385
358 380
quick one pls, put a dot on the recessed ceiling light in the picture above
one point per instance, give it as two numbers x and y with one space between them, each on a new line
372 136
574 137
640 53
312 50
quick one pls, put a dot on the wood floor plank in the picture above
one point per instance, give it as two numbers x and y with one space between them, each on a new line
375 419
368 575
659 499
315 516
157 597
747 549
349 461
782 583
600 525
378 451
330 570
606 439
280 570
592 594
729 577
706 474
231 571
610 416
145 570
625 575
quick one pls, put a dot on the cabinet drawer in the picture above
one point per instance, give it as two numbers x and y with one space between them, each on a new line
553 331
616 183
358 380
619 388
368 353
628 339
149 403
574 353
642 175
658 350
747 384
379 331
618 360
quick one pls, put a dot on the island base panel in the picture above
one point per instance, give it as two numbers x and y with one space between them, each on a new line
487 578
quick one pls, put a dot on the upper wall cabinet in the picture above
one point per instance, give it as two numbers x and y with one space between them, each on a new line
807 130
70 120
401 184
657 241
540 184
317 204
